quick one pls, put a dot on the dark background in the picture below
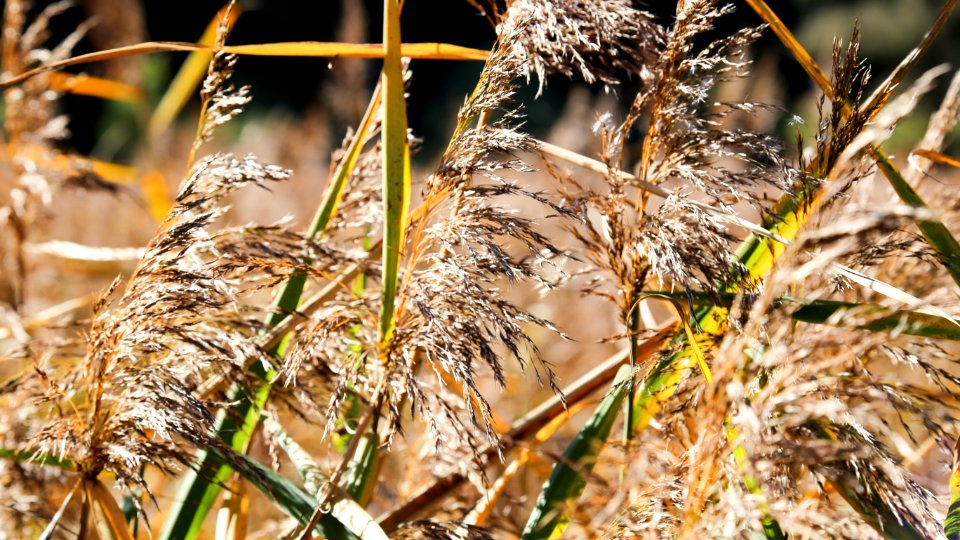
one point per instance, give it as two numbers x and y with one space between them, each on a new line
287 86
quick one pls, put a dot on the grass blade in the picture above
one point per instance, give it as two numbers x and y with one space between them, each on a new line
72 163
420 51
116 522
771 528
157 195
936 233
364 469
86 85
287 496
33 457
344 508
757 254
885 90
937 157
334 192
951 524
396 168
899 321
193 70
567 481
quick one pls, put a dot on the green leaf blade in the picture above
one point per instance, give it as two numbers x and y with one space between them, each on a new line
290 498
566 483
396 168
936 233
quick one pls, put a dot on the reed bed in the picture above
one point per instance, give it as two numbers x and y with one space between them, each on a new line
685 328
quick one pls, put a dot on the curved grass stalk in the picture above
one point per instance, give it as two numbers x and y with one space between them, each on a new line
420 51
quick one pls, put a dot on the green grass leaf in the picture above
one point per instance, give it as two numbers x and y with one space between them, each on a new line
951 524
900 321
936 233
287 496
364 469
34 457
567 481
909 322
344 506
396 168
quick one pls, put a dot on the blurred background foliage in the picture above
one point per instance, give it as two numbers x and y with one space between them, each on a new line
336 91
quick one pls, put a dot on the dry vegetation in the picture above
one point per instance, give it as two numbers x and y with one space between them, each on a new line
781 314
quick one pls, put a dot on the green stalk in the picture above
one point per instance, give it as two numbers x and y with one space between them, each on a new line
632 382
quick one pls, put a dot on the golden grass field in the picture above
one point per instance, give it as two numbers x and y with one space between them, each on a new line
648 284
